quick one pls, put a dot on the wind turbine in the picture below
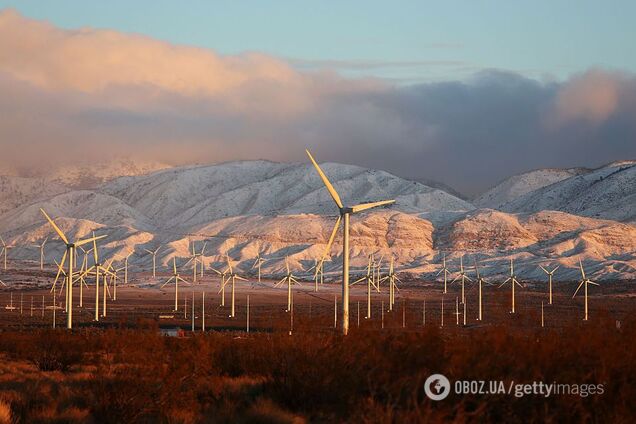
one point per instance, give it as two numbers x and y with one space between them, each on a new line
480 282
125 268
176 278
584 282
154 259
98 269
392 278
231 276
194 258
463 276
223 275
257 264
318 273
5 250
290 280
41 247
345 214
550 274
446 273
370 282
70 254
513 282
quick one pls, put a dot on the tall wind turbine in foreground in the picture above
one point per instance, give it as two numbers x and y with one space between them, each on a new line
584 282
41 247
550 274
70 254
345 214
513 282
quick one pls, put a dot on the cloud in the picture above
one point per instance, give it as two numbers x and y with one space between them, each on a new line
592 97
74 95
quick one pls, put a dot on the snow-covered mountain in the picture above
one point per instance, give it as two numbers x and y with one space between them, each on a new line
243 208
518 185
92 175
608 192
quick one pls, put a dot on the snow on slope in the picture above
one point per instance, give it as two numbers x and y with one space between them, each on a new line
242 208
91 175
519 185
608 192
19 191
188 196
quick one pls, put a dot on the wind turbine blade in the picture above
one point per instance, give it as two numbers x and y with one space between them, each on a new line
169 280
544 270
240 278
89 240
95 255
55 227
229 265
359 280
217 271
557 267
326 182
592 283
174 266
329 243
582 272
578 288
364 206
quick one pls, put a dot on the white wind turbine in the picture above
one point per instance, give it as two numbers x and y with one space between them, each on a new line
584 282
290 280
69 254
126 269
550 274
5 250
154 259
446 273
345 214
257 264
176 278
463 276
41 247
392 277
196 258
99 269
480 282
230 276
513 282
318 273
369 278
376 266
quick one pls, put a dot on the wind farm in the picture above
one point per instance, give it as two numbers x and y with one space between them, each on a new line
205 222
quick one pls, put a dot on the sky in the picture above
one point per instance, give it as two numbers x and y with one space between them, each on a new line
465 93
